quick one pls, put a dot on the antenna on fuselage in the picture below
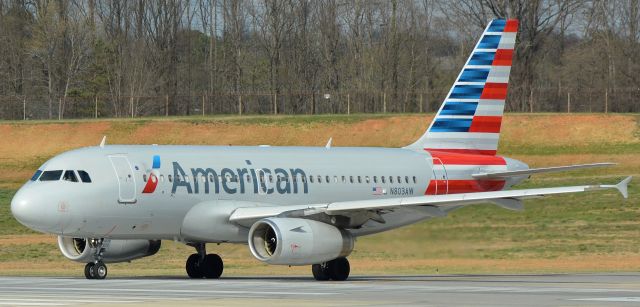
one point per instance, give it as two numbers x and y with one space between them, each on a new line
104 140
328 146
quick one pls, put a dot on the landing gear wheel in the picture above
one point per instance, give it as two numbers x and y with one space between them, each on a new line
320 272
95 270
87 270
212 266
99 270
193 266
338 269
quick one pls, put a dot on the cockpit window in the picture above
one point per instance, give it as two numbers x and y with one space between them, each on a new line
51 175
70 176
36 175
84 176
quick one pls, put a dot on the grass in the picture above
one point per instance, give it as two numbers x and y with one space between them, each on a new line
570 233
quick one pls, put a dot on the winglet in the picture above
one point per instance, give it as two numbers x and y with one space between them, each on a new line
623 187
104 140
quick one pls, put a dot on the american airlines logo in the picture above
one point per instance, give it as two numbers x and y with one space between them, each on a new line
152 183
240 180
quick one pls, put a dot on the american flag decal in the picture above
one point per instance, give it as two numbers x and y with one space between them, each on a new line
379 191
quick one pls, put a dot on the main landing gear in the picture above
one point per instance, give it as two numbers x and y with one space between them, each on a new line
96 269
337 269
203 265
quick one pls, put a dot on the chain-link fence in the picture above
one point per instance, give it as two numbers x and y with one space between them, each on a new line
345 102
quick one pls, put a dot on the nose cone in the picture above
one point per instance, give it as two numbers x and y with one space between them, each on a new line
31 210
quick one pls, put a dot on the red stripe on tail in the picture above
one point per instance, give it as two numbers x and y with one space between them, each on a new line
503 57
490 124
494 91
464 159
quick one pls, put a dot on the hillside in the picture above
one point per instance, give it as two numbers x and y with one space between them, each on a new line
594 232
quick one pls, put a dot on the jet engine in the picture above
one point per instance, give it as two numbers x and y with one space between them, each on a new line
78 249
296 241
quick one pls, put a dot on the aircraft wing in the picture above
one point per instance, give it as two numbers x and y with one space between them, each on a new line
502 175
507 199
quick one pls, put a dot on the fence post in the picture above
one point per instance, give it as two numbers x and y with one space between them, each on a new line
96 107
420 105
60 108
239 104
348 104
131 105
166 105
606 101
24 108
568 102
203 98
275 103
384 102
531 100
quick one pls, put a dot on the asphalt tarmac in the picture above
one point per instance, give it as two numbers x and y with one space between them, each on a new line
435 290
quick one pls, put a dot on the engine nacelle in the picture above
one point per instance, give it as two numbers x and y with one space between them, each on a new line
78 249
295 241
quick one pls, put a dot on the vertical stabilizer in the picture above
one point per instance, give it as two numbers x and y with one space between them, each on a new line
469 120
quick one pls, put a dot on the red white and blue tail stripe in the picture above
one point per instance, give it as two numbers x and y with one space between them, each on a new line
469 120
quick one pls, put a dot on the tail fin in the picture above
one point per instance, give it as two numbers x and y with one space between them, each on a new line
469 120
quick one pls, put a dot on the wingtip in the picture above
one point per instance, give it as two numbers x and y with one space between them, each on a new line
623 187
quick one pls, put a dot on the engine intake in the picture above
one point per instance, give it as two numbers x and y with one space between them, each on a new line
77 249
295 241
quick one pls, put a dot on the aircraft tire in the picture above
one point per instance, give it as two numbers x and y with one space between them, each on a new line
87 270
338 269
99 270
320 272
192 266
212 267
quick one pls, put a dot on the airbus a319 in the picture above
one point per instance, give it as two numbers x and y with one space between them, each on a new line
291 205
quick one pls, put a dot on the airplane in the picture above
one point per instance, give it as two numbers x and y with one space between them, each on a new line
291 205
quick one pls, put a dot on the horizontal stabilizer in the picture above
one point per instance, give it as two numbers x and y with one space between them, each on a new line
538 170
622 187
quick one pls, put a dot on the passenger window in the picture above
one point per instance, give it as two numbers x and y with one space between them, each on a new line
359 179
382 179
248 178
366 178
51 175
351 179
335 179
310 178
414 179
270 178
36 175
399 179
170 178
375 179
319 179
144 177
344 179
390 179
327 179
406 179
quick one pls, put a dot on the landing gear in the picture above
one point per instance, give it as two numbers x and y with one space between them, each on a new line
202 265
337 269
96 269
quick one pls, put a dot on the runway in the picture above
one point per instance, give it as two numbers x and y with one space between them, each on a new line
436 290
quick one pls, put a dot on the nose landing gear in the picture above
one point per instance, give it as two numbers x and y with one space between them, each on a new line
96 269
204 265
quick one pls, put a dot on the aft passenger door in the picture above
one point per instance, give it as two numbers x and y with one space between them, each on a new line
126 179
440 176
